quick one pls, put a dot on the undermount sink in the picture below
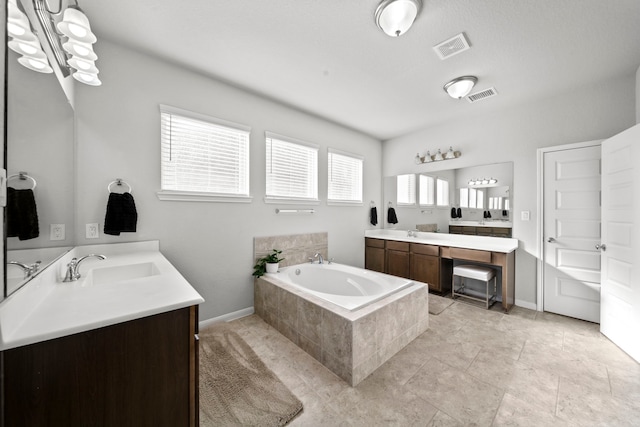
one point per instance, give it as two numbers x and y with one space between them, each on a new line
119 273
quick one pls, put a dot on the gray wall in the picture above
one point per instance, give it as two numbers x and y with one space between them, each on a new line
594 112
211 244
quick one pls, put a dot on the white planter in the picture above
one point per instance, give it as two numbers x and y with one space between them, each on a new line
272 268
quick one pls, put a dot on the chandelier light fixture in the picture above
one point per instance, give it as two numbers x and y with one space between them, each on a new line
460 87
395 17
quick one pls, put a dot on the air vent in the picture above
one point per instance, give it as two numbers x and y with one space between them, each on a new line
483 94
453 46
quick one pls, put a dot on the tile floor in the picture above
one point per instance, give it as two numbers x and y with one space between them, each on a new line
472 367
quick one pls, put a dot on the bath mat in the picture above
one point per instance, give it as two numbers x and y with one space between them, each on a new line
437 304
236 388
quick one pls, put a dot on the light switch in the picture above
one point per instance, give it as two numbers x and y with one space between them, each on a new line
525 215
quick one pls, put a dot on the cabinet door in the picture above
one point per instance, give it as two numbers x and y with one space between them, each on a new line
398 263
374 259
426 269
139 372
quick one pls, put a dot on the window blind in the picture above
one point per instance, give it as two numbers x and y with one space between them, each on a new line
345 177
291 169
406 189
427 190
442 192
202 154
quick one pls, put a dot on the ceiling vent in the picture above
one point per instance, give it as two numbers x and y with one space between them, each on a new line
483 94
451 47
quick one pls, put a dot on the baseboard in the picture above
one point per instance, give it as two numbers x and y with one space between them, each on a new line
526 304
227 317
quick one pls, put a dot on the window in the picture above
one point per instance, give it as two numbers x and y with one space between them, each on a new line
471 198
427 190
345 177
464 197
406 189
292 169
201 154
442 192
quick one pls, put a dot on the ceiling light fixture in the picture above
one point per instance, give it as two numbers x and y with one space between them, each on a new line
24 42
395 17
460 87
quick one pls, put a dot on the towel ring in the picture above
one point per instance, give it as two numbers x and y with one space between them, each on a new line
23 177
120 183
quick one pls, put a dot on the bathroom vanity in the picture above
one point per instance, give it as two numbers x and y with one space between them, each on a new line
429 257
118 346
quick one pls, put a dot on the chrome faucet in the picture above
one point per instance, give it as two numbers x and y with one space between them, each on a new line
319 256
28 270
412 233
73 273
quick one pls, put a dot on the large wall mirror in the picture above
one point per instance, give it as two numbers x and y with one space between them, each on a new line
40 145
427 200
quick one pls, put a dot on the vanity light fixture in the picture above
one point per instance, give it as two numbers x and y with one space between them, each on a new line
68 34
427 158
24 41
460 87
483 181
395 17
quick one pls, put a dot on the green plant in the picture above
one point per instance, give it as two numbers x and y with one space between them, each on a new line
261 266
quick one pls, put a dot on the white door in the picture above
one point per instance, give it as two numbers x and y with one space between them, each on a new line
620 314
571 232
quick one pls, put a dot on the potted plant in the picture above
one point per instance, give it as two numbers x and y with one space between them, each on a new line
268 263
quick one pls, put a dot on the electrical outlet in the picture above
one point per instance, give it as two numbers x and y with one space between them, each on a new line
56 232
524 215
93 231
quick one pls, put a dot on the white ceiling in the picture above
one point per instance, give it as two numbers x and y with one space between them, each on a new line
328 57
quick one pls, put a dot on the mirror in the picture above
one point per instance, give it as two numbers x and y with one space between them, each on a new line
436 193
40 143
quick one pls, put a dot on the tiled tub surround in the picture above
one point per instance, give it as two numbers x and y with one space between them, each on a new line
296 248
352 344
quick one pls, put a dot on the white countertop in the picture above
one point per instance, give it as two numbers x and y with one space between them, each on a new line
498 223
47 308
484 243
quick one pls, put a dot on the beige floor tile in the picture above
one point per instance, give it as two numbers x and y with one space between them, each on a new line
457 393
472 367
518 412
582 405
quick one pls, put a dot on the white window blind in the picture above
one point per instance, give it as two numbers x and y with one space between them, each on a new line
464 197
292 168
406 189
203 154
427 190
345 177
442 192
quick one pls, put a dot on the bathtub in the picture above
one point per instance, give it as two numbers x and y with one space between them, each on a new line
348 287
349 319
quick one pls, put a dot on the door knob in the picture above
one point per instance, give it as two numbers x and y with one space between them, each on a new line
601 247
551 240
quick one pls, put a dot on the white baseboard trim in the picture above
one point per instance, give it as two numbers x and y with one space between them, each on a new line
526 304
227 317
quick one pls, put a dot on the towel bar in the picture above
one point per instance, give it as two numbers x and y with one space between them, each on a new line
23 176
119 182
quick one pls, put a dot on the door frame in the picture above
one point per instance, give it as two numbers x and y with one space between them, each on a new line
540 212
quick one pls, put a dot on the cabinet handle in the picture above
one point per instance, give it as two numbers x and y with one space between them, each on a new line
551 240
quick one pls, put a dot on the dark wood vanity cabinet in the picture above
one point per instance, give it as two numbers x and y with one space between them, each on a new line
398 259
426 267
374 257
480 231
142 372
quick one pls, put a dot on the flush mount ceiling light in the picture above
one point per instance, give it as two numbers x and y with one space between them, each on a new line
460 87
395 17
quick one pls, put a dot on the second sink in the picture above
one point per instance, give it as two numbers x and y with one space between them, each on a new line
118 273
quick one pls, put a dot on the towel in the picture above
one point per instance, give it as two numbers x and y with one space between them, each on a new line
391 216
374 216
121 214
454 214
22 215
459 213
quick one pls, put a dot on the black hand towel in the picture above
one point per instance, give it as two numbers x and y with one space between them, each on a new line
391 216
22 215
454 214
374 216
121 214
459 213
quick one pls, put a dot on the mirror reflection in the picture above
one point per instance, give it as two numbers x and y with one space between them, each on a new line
469 200
40 145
